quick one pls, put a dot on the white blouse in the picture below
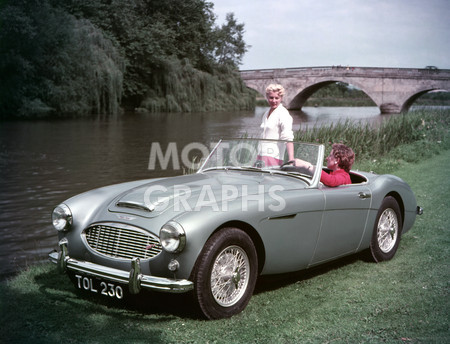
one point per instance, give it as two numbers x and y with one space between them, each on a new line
277 127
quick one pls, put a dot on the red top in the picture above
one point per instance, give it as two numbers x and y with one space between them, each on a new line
335 178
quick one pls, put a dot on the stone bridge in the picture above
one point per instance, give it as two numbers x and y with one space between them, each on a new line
393 90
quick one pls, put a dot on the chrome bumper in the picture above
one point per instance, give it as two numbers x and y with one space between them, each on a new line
134 279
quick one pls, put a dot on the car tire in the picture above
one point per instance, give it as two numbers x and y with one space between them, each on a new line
387 231
228 258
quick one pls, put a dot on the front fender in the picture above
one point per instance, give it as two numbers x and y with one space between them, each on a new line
87 205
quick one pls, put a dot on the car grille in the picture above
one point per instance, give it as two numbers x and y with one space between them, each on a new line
122 241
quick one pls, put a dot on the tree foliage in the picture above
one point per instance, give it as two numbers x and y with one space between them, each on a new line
230 47
64 57
52 63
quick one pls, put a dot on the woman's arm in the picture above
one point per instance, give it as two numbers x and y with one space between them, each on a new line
305 164
337 178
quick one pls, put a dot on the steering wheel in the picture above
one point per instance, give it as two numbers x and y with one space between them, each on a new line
288 167
290 162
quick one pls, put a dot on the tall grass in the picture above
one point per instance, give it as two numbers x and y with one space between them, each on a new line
422 130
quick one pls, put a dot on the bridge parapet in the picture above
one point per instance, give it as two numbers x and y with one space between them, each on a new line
392 89
347 71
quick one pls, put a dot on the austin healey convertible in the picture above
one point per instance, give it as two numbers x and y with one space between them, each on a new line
213 232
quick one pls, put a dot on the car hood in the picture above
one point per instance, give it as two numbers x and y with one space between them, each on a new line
189 192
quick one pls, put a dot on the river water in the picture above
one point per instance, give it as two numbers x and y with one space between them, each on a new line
43 163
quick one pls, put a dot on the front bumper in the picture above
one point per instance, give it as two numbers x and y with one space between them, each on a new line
133 278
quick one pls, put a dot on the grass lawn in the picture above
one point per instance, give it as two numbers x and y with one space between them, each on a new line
405 300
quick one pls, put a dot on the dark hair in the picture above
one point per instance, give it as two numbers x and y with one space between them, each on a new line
344 155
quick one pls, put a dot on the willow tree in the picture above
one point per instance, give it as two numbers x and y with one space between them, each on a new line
76 57
173 62
54 64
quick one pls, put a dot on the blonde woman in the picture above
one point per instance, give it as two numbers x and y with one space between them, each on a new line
276 124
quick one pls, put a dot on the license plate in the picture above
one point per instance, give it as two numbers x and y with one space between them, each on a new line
99 287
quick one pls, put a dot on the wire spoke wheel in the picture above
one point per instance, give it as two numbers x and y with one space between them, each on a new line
229 277
225 273
387 230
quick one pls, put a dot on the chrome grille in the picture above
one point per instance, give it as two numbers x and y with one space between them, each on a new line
122 241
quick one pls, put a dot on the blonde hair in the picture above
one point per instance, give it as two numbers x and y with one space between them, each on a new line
275 88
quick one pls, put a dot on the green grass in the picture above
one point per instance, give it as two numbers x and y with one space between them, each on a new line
405 300
352 300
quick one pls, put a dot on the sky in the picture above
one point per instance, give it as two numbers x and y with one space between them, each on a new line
360 33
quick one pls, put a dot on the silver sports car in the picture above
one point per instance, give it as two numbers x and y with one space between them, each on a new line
212 233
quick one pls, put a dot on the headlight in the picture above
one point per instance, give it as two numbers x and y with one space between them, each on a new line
172 236
62 218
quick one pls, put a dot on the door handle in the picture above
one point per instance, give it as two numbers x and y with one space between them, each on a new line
364 195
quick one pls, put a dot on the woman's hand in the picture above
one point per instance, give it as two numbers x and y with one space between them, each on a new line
303 163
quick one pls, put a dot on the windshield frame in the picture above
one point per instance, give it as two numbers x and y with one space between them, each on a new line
312 181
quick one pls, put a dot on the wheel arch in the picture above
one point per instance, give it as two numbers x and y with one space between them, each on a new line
253 234
400 203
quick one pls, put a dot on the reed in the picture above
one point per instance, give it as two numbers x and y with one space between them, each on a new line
420 129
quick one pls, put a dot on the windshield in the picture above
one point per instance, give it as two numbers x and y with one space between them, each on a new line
265 156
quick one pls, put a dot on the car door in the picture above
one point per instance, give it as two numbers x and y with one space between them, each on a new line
290 236
344 220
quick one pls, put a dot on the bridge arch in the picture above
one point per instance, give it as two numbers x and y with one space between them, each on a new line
298 100
410 101
393 90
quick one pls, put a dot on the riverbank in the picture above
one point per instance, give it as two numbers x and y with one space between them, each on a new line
383 148
404 300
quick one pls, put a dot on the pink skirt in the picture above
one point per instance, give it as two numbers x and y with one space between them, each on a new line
270 161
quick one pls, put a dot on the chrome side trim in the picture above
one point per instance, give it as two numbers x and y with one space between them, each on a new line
134 280
282 217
